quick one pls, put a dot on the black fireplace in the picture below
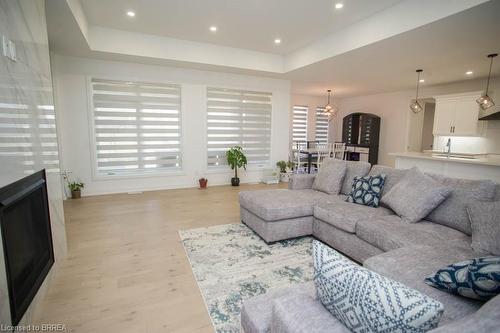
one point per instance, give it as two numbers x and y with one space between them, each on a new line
27 239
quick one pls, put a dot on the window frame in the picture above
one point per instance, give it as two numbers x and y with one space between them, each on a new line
143 173
225 169
317 111
307 122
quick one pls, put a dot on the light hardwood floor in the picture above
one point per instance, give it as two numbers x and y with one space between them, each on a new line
126 269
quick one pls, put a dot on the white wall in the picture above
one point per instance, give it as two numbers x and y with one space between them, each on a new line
72 104
393 108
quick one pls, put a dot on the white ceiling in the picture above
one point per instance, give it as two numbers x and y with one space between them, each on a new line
365 48
444 49
242 24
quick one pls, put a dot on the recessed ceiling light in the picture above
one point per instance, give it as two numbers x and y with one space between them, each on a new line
469 73
277 41
421 80
339 5
131 13
213 28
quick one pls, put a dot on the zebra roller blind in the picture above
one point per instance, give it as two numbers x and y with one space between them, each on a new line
238 118
137 126
321 126
299 124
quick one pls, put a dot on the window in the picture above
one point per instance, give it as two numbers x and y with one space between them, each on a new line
321 126
299 124
238 118
137 127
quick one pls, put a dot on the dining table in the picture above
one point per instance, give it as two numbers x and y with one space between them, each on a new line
311 153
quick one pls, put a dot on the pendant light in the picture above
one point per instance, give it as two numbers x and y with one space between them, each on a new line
485 101
415 106
330 110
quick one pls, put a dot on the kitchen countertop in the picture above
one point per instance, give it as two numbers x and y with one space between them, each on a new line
487 160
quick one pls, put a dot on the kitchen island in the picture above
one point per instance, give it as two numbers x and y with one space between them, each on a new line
454 165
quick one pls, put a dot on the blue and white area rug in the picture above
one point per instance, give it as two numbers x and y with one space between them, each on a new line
231 264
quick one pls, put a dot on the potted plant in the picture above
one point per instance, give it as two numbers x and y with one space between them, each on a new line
236 159
74 187
285 170
203 183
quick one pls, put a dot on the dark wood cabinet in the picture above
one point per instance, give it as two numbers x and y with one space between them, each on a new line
361 130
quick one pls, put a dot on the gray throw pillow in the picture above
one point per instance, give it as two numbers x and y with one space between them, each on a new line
452 212
365 301
485 223
415 196
330 176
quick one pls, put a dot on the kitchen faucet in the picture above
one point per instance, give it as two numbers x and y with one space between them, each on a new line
448 144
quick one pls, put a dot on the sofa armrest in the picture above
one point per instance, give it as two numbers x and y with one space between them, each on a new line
301 181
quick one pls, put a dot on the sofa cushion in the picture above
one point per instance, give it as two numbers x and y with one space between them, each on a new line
330 176
301 181
415 196
345 215
367 190
392 176
349 244
354 168
411 265
485 223
256 312
452 211
300 313
365 301
274 205
391 232
477 278
484 320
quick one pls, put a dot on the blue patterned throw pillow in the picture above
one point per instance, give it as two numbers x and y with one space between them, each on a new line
365 301
477 278
366 190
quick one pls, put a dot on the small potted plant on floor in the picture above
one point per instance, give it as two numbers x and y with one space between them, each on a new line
203 183
285 170
74 187
236 159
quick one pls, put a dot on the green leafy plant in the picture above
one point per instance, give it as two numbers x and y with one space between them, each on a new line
236 159
72 185
75 186
284 166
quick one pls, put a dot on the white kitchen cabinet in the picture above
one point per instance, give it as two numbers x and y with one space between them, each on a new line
458 115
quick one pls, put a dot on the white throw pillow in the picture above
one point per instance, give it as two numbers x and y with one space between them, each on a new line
365 301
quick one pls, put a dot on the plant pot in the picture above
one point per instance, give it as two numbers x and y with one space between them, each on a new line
76 194
203 183
235 181
285 177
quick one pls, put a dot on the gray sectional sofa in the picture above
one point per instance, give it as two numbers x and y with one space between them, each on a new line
374 237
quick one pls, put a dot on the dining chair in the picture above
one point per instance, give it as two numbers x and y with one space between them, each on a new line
339 150
323 150
297 147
